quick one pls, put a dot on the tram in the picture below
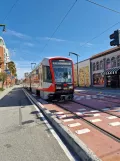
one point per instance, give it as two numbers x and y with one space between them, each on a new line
52 79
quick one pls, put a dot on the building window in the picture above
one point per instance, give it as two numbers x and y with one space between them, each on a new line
101 64
93 66
47 74
108 63
118 60
113 62
97 65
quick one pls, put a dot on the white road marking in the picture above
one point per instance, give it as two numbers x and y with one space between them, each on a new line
105 109
94 111
61 116
82 109
79 113
96 120
83 131
58 113
68 120
74 124
112 117
96 114
88 97
78 98
94 96
115 124
60 142
116 107
101 97
113 96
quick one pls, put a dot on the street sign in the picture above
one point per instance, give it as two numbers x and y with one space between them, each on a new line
7 71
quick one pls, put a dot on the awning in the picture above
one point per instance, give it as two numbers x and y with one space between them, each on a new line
111 71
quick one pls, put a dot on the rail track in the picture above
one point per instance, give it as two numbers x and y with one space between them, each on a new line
103 139
108 110
83 118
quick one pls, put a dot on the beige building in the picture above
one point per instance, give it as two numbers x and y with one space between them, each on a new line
105 68
83 73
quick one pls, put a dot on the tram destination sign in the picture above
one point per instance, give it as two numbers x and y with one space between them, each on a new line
61 62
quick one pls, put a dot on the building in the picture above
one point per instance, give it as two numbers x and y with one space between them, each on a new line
4 55
105 68
4 59
84 73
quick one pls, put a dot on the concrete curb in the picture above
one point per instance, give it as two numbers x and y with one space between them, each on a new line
6 91
84 153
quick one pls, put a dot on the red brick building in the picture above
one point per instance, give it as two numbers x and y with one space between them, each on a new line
2 62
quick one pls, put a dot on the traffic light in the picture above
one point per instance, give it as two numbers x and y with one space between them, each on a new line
116 38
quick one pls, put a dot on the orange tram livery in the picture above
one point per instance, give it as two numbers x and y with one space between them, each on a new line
52 79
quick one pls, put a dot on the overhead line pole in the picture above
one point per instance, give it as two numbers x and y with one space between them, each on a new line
77 55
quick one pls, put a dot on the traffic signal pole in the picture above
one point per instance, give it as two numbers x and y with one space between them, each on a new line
115 38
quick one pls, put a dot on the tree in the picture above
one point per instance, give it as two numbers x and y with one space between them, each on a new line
3 77
12 68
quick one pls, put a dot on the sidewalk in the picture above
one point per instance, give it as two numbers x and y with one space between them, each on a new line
31 141
6 91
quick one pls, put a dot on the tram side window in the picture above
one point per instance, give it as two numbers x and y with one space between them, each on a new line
47 74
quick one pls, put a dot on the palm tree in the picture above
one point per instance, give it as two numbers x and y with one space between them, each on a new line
3 77
12 68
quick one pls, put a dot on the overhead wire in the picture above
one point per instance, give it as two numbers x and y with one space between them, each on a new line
103 6
100 34
58 26
8 13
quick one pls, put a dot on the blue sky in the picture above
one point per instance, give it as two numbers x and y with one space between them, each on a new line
31 23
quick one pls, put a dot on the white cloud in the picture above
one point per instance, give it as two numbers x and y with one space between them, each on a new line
86 44
21 71
51 39
12 52
23 66
29 44
17 34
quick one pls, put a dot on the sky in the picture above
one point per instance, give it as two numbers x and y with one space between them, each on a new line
31 23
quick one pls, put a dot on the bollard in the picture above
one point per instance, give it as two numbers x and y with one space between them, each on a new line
20 116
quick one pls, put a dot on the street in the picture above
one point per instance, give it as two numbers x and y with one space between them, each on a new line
27 142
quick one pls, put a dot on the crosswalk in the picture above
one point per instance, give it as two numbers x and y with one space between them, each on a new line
88 97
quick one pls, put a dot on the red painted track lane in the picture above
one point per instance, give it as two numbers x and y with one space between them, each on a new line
103 146
101 96
101 121
88 100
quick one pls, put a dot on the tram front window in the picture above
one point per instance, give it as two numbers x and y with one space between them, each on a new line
62 71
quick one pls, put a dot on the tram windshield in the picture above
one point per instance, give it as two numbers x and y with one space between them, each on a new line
62 71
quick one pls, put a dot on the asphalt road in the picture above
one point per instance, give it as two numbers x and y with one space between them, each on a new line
30 142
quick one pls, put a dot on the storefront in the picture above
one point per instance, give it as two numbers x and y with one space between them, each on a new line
112 77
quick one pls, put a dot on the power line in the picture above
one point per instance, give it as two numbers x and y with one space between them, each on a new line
8 13
103 6
100 34
58 26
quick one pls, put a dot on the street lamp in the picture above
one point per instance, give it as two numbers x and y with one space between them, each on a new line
30 74
3 25
77 65
32 64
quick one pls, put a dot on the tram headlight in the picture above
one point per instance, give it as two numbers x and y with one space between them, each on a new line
70 87
58 87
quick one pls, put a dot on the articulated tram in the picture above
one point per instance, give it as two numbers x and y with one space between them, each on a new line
52 79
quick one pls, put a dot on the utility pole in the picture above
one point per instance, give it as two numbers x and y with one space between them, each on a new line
77 66
31 73
32 64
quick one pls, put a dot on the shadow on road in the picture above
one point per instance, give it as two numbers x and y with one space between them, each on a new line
14 98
